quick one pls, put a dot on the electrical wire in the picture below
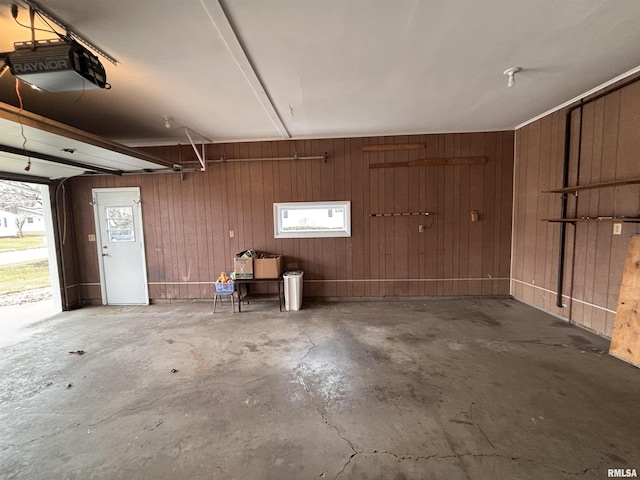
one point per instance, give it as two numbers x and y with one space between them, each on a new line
35 28
62 238
67 37
24 138
14 14
44 20
83 90
433 219
19 98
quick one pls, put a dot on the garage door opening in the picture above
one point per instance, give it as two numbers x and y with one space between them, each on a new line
29 285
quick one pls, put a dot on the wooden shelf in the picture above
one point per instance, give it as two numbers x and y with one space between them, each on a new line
393 147
594 219
591 186
431 162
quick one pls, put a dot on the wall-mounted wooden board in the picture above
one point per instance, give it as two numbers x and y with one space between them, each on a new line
591 186
393 147
433 162
594 219
625 340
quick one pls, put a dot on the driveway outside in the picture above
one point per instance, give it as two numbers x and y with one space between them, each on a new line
19 256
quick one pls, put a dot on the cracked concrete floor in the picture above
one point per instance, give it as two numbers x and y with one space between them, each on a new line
439 389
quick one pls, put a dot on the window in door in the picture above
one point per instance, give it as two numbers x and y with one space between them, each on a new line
120 224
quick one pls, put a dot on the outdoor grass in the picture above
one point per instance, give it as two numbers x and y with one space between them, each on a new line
10 244
19 277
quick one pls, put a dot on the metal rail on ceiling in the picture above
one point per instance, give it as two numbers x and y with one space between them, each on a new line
69 31
295 157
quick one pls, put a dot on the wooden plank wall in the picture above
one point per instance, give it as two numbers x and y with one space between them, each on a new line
594 256
187 220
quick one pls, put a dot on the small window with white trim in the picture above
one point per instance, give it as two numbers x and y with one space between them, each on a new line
312 219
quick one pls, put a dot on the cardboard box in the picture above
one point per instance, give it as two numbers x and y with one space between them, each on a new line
243 268
267 267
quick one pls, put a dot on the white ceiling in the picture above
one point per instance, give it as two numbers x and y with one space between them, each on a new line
269 69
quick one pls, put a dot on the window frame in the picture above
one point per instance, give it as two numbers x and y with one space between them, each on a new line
278 208
114 234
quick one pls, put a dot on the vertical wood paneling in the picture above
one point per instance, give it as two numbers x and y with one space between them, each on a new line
184 225
269 189
553 206
595 232
187 218
506 189
478 188
432 193
398 254
490 199
580 240
162 239
206 244
152 236
359 216
449 246
521 159
246 216
462 258
415 253
594 256
388 223
376 224
191 232
542 203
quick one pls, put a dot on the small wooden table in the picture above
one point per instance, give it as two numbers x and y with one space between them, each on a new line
248 296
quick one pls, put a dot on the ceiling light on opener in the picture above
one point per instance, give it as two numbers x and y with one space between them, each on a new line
511 73
167 121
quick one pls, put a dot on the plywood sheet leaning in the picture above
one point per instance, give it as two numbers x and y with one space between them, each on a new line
625 340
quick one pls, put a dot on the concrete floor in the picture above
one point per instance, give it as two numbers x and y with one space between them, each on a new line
439 389
15 319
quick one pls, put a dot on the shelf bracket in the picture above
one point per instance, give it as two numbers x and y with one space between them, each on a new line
201 157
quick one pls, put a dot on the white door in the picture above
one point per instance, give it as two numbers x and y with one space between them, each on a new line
123 270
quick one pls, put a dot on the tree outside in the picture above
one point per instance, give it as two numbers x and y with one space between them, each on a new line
19 221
